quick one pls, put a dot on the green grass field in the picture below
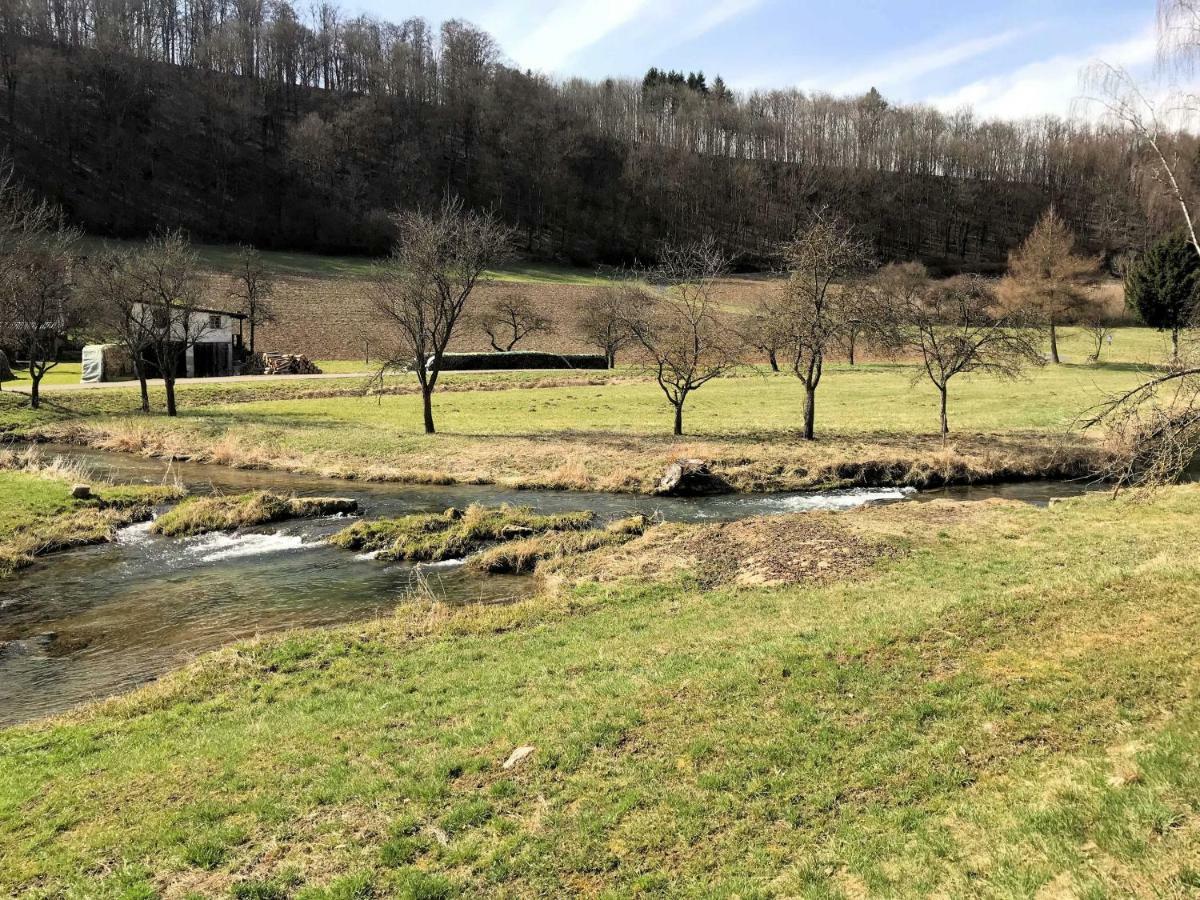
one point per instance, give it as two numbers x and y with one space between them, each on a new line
608 430
1004 705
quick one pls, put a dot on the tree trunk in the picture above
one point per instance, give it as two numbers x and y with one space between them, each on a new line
140 371
678 419
810 413
169 382
35 384
1054 343
1175 344
427 403
945 420
853 342
773 358
251 335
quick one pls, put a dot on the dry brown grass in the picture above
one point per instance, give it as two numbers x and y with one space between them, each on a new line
772 550
624 463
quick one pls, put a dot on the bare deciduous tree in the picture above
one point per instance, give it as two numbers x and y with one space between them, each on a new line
814 310
957 329
1046 278
1099 329
1155 426
252 290
438 260
511 318
763 330
603 320
166 271
683 338
42 303
121 313
38 303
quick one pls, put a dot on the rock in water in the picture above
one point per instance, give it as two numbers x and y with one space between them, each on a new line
691 477
81 492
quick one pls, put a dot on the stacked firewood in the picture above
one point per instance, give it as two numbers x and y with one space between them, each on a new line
289 364
280 364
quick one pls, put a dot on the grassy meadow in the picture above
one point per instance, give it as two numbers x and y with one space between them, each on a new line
1002 704
610 431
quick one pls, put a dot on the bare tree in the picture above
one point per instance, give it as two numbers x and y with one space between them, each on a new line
252 290
763 330
121 311
1046 278
1155 426
1099 329
42 305
424 286
603 320
166 271
815 308
511 318
957 329
683 338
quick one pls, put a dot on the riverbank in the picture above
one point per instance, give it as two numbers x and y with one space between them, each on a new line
1000 699
614 436
39 516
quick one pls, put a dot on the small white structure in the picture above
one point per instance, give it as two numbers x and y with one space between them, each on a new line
217 349
214 347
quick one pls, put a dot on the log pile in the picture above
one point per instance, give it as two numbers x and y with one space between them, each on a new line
281 364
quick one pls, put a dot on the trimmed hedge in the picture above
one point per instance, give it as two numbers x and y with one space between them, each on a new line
521 359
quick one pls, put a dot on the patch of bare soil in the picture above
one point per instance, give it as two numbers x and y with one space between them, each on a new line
770 550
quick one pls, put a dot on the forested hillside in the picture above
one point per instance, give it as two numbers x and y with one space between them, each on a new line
240 121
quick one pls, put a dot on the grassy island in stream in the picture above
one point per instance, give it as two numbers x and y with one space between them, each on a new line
39 516
938 698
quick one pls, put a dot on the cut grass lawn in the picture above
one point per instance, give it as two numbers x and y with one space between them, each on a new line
38 516
1005 705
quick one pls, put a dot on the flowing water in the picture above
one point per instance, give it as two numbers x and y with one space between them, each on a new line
100 620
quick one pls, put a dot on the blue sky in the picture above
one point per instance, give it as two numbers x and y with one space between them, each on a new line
1006 58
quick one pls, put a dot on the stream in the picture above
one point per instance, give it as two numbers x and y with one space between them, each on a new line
97 621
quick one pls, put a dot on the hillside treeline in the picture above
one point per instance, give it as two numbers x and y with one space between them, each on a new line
242 120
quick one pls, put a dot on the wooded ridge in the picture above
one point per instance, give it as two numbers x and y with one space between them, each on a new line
243 121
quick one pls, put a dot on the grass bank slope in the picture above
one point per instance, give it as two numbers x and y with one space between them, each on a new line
1003 705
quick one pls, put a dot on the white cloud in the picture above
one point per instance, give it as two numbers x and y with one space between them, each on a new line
903 69
1046 86
569 27
715 16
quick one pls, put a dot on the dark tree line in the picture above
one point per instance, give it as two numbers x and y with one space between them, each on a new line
249 121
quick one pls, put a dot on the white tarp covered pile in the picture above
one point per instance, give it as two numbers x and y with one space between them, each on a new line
106 362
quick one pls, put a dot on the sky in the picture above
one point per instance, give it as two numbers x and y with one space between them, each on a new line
1005 58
